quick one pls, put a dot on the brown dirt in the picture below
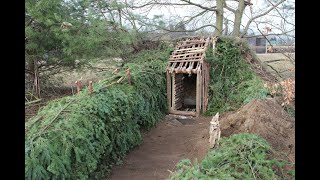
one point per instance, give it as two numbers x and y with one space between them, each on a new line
267 119
175 139
163 147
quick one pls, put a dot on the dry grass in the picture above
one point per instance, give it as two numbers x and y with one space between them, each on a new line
99 70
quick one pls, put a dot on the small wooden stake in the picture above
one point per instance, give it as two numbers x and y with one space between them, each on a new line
90 88
214 131
78 83
129 76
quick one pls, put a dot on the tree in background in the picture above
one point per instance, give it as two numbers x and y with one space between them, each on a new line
211 13
60 32
57 33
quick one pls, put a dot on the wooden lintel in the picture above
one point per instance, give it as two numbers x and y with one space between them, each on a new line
196 60
188 49
193 41
191 44
190 54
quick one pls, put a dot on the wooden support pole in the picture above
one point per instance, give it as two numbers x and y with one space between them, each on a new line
129 76
78 83
203 86
169 88
173 91
206 85
198 94
90 88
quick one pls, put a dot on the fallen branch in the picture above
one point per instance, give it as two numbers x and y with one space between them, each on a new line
31 102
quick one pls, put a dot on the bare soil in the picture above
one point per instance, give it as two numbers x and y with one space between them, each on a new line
176 139
267 119
164 146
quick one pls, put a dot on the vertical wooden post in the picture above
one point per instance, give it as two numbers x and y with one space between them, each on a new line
169 87
90 88
198 94
173 91
129 76
203 85
78 83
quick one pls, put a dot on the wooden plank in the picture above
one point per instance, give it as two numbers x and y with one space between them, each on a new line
188 49
169 87
199 52
191 38
184 113
200 92
179 106
191 41
187 58
203 86
192 54
173 61
178 90
189 45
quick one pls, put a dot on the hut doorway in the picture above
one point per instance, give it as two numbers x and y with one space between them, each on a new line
187 93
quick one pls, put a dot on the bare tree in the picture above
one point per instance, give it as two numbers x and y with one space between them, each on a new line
206 14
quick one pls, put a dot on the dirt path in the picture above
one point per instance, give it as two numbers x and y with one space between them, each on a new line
169 142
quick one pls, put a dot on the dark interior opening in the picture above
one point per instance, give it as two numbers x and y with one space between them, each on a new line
189 92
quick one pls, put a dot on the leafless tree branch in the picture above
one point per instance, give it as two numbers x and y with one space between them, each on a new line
229 8
280 14
169 30
158 3
200 6
274 34
260 15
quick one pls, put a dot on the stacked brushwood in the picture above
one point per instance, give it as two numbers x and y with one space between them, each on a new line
233 83
82 136
240 156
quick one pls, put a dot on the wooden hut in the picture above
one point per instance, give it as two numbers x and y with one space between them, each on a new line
188 77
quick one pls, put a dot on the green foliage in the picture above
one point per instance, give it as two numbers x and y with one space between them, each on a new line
82 136
91 34
232 83
240 156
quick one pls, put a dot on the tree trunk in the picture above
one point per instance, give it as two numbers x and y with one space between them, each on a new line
36 80
226 21
120 20
219 18
237 19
